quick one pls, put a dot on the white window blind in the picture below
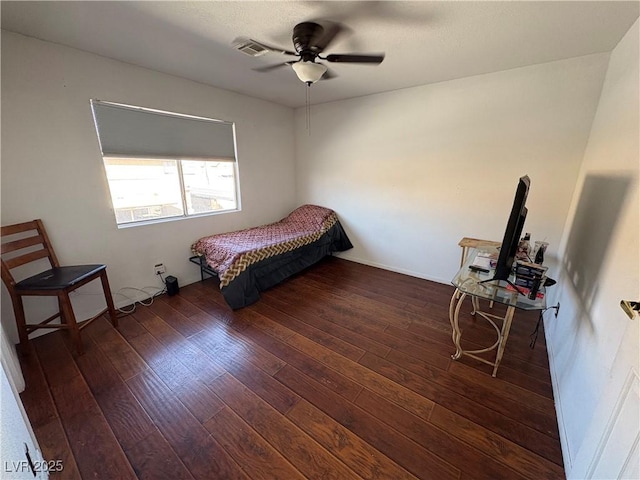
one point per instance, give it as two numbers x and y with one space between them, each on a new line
138 132
162 165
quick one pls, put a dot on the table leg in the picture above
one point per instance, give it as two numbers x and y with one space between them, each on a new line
464 256
454 311
475 303
504 335
462 260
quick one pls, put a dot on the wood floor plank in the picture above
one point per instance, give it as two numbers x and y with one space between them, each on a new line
249 449
340 313
181 305
327 281
503 389
354 285
438 441
128 421
303 361
37 398
531 413
398 315
185 385
357 454
538 372
507 427
192 358
352 309
520 459
124 358
56 362
370 379
343 371
189 439
129 327
397 447
43 415
368 279
292 443
508 375
142 314
183 324
80 415
423 338
54 446
347 298
87 430
213 304
223 342
263 384
99 373
313 333
437 352
153 459
433 316
278 302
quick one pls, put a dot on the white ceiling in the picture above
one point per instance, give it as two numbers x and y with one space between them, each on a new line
425 42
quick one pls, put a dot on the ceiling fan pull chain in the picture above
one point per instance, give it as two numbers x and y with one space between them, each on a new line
308 109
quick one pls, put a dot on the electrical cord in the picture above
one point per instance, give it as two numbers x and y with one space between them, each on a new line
132 306
534 334
145 303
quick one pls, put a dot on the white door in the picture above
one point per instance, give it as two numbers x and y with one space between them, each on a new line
19 454
615 432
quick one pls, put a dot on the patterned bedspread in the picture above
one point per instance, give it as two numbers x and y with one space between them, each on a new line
229 254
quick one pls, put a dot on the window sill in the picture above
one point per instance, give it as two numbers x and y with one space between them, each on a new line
174 219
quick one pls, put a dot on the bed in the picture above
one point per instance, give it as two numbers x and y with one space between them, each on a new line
250 261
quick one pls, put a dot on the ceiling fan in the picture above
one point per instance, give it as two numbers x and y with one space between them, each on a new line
310 39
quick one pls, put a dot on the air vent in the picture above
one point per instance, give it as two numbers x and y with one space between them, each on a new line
252 48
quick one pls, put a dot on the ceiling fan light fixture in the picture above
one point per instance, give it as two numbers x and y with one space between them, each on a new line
309 72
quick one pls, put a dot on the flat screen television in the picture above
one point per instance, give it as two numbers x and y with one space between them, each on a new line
513 231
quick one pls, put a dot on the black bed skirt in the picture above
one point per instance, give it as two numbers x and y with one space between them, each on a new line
246 287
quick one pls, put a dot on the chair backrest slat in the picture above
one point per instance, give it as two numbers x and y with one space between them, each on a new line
26 258
22 243
19 228
47 243
11 250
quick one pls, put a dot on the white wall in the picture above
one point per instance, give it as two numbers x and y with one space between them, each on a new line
411 172
601 263
52 168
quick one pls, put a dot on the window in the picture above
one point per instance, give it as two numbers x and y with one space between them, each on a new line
161 165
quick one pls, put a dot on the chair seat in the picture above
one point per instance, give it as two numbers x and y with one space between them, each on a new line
59 277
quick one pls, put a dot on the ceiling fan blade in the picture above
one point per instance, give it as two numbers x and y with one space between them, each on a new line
349 58
329 74
328 35
255 48
268 68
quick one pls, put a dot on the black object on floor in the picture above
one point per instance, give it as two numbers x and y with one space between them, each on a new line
172 285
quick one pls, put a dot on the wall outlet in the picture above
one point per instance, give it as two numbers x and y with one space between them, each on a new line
159 269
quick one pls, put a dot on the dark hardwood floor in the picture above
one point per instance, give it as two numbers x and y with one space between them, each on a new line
343 371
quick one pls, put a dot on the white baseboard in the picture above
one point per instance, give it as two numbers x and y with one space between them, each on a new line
564 444
411 273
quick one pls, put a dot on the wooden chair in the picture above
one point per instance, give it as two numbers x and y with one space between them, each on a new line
28 242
